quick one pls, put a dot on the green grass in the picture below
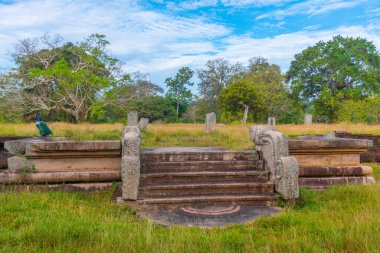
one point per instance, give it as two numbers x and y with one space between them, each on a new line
342 219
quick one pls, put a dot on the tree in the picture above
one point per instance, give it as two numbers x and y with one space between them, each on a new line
241 95
178 90
51 77
215 76
271 95
327 74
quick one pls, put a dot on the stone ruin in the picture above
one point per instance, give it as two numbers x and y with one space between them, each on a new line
210 122
272 121
308 119
189 185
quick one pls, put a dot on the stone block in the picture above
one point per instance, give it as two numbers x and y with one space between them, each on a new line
210 122
133 118
143 123
130 163
272 121
308 119
18 147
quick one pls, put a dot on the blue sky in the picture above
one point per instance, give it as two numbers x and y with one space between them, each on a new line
160 36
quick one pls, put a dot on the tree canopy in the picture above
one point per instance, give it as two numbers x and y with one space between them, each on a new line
325 75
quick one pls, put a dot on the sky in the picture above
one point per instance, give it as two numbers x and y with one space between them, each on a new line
160 36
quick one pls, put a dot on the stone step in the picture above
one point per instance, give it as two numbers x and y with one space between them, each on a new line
203 177
198 189
179 154
200 166
252 200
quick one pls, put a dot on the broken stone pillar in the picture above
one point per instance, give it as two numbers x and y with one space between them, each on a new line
130 163
143 123
308 119
272 121
133 118
210 122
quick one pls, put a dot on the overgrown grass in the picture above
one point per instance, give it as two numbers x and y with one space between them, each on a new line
342 219
159 135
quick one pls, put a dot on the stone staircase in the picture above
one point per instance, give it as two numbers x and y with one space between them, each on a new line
173 177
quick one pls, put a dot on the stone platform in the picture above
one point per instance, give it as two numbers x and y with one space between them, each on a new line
324 162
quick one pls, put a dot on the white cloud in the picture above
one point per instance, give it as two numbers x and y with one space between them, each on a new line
158 43
311 8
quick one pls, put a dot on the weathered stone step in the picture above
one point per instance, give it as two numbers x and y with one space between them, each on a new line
196 154
203 176
198 189
200 166
252 200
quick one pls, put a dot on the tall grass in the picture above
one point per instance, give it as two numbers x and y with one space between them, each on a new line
342 219
227 136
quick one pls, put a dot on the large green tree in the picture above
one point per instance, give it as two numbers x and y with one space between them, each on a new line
178 86
50 77
325 75
213 77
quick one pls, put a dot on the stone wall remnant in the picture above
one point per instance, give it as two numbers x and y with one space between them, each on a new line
210 122
130 162
133 118
274 150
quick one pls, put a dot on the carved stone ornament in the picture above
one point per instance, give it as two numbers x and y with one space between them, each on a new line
274 150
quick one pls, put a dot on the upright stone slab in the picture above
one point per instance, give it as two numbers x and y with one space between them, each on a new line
143 123
130 163
272 121
133 118
308 119
210 122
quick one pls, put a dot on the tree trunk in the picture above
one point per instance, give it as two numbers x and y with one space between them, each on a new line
245 115
177 108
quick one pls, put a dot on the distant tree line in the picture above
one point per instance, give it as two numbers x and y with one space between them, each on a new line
337 80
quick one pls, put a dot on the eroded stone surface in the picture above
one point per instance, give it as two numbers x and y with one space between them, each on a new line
209 216
210 122
274 150
308 119
143 123
133 118
130 163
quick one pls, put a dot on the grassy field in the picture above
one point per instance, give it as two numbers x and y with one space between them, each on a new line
159 135
342 219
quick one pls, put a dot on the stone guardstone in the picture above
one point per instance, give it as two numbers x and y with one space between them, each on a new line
272 121
133 118
143 123
210 122
308 119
